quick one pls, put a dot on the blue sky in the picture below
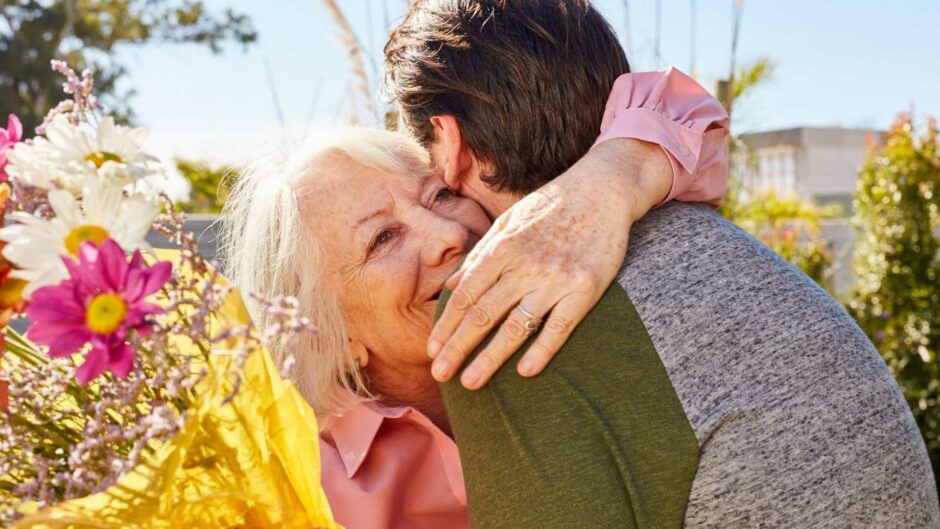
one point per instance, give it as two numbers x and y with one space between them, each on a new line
852 63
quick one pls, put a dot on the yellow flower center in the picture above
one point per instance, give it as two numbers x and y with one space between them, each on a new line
11 292
99 157
105 313
85 232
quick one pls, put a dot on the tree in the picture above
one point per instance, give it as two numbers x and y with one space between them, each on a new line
209 185
86 33
897 266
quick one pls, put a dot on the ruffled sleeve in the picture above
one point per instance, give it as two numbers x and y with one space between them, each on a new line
672 110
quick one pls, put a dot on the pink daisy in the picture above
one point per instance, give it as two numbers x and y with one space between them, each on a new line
8 137
100 303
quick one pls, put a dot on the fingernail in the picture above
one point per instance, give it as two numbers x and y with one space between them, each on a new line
440 369
434 347
525 367
470 377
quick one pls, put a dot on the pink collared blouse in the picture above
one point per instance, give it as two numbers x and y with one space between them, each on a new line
392 468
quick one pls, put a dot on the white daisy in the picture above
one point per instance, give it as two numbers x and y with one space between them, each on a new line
69 153
32 163
35 245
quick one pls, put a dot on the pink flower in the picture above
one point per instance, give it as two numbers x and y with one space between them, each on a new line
8 137
100 303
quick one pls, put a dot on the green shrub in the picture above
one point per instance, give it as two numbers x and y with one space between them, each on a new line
897 266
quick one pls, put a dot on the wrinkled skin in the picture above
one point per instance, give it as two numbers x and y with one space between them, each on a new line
391 242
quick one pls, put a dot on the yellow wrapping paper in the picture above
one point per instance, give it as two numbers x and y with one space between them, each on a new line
251 463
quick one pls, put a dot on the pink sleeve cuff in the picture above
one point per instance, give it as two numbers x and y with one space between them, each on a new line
670 109
681 144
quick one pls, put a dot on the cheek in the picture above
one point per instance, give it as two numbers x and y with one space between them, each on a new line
374 301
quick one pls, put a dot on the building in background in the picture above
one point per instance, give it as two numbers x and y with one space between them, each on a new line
816 164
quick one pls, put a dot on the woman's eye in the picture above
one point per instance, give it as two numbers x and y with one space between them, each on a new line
381 239
445 193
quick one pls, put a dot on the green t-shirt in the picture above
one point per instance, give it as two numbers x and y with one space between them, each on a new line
598 440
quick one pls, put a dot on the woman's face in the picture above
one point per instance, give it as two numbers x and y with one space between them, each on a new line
391 241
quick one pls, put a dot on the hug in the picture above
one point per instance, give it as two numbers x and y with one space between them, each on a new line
699 380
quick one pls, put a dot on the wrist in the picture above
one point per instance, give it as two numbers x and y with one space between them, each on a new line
637 173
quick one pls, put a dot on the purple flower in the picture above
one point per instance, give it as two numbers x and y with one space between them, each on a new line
101 302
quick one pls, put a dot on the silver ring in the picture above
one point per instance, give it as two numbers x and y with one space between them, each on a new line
531 323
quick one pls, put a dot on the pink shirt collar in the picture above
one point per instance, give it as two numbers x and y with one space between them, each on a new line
356 431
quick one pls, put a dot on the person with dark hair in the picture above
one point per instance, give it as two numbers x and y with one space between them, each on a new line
502 74
794 419
535 53
389 460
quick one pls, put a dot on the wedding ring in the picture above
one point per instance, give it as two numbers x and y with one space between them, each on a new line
531 322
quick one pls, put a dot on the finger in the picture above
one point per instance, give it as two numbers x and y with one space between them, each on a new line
475 281
480 320
561 322
510 337
460 301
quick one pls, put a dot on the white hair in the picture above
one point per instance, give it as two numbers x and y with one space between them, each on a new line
269 250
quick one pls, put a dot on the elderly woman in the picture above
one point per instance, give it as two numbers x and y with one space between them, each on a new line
364 232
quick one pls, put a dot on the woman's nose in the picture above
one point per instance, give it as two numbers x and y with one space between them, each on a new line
443 239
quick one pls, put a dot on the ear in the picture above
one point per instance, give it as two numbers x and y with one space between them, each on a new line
359 352
452 154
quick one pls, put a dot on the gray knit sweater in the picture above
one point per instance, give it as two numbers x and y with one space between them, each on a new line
799 421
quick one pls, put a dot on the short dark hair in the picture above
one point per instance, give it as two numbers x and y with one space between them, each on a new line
527 80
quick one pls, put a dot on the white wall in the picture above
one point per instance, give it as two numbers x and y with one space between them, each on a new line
829 170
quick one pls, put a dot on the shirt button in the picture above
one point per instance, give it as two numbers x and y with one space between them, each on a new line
684 151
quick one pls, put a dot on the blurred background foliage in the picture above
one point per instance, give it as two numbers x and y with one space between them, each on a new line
786 224
897 265
209 185
85 33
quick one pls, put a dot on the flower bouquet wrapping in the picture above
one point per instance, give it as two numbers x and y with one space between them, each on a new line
140 394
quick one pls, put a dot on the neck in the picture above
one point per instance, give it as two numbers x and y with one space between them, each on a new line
411 386
495 203
498 203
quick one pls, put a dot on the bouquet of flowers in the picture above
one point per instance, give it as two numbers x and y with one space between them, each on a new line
139 395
